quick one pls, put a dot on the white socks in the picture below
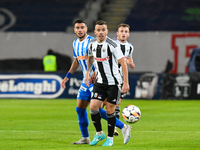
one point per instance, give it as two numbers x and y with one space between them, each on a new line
99 133
111 138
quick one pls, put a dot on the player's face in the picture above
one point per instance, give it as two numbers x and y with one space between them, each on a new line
80 29
123 34
101 31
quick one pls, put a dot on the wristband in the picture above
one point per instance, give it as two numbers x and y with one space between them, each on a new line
68 75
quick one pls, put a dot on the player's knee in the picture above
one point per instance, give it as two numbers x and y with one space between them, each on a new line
94 112
94 105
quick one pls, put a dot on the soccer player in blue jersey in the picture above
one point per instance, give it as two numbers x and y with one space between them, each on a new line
80 53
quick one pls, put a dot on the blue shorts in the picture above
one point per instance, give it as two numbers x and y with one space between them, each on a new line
85 92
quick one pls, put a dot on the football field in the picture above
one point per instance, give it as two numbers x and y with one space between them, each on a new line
53 125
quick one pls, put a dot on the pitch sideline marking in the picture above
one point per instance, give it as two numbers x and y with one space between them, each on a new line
92 131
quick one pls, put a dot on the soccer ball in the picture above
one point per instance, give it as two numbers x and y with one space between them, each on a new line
131 113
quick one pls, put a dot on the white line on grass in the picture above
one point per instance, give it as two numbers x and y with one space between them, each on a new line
170 131
78 131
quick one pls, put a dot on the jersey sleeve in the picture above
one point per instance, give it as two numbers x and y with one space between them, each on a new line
131 52
74 53
117 52
90 49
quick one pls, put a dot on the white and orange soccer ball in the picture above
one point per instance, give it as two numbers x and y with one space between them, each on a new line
131 113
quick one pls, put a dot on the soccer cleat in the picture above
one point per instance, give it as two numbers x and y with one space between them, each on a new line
116 133
82 141
126 132
97 138
108 142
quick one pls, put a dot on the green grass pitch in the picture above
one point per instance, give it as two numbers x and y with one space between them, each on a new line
53 125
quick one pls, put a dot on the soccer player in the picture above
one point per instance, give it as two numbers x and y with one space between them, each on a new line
80 50
106 54
80 53
127 50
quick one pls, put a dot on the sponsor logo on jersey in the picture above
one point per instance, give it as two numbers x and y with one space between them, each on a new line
82 57
83 88
30 86
100 97
102 59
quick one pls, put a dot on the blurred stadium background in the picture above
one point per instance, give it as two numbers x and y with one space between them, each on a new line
165 84
164 34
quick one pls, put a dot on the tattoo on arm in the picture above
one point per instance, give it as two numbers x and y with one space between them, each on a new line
90 63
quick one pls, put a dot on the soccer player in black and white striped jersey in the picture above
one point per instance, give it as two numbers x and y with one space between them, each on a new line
127 50
106 55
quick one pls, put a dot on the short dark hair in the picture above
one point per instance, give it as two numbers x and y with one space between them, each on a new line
79 21
123 25
101 22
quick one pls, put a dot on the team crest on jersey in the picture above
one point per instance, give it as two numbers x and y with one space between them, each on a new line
94 49
104 50
95 95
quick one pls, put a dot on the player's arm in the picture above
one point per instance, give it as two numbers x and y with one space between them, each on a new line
129 59
119 56
89 67
130 62
72 69
125 87
74 66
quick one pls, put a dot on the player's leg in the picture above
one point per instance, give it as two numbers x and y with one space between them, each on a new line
111 123
126 129
118 123
117 114
112 99
95 104
96 119
83 100
117 109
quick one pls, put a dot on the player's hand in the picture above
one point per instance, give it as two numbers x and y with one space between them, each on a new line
93 78
125 88
86 80
63 82
132 65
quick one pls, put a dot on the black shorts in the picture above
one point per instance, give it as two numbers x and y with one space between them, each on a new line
103 91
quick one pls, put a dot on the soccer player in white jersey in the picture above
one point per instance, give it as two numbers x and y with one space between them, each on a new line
106 55
80 52
127 50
